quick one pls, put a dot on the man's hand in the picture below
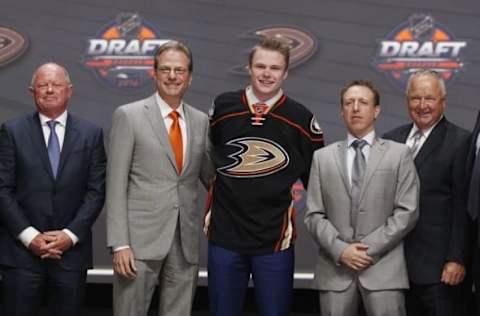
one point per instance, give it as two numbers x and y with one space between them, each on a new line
453 273
60 242
355 257
39 246
124 263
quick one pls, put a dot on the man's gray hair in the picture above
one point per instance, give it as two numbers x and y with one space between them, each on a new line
427 72
67 75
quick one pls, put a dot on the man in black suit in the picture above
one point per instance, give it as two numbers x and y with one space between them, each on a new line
473 172
437 247
52 185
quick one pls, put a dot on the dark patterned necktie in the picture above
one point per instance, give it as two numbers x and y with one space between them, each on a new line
53 147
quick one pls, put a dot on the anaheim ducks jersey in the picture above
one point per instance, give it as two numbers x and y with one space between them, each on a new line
259 152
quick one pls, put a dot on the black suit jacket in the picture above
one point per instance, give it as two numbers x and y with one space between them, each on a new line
443 229
31 196
469 166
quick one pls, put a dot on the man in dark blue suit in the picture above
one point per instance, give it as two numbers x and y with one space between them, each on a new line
473 173
52 186
436 250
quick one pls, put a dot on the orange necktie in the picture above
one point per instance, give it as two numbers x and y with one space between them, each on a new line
175 135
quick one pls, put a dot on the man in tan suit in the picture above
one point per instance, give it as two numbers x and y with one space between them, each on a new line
362 200
158 152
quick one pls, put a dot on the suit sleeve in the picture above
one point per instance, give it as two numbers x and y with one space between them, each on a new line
120 153
461 227
95 189
405 210
309 144
207 171
325 235
11 214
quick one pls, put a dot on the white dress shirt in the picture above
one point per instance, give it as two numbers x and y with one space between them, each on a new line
477 145
165 109
425 133
29 233
369 138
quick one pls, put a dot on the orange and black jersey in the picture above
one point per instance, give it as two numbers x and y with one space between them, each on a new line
258 155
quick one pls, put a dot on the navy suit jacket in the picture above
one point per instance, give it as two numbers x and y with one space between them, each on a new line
31 196
469 166
442 231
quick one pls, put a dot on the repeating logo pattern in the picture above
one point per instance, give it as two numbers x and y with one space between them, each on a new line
420 42
303 45
121 55
12 45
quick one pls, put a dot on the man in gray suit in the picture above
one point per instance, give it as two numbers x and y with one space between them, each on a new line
362 200
158 152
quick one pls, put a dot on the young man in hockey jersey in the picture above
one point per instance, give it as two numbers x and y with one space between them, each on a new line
263 143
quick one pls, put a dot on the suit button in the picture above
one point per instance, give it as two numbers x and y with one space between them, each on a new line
176 206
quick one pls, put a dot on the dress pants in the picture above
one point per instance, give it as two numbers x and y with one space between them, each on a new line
376 303
436 300
24 290
229 274
177 280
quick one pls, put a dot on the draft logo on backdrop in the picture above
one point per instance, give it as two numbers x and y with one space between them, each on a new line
12 45
121 55
302 44
420 42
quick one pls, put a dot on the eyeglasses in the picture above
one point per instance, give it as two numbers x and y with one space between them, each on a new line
416 100
164 70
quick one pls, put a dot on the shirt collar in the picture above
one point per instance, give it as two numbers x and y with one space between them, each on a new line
62 119
252 98
165 109
369 138
425 132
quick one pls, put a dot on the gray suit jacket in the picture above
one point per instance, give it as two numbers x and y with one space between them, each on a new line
388 210
145 194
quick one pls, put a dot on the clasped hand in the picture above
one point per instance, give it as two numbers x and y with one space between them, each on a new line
355 257
51 244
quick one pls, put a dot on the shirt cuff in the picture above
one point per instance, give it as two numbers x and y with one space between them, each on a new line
72 236
120 248
27 235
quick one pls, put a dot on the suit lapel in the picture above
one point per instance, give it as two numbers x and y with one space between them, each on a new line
375 157
38 141
434 139
403 135
70 139
473 143
341 161
188 123
154 117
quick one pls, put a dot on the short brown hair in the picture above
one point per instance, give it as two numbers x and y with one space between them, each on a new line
271 43
174 45
362 83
